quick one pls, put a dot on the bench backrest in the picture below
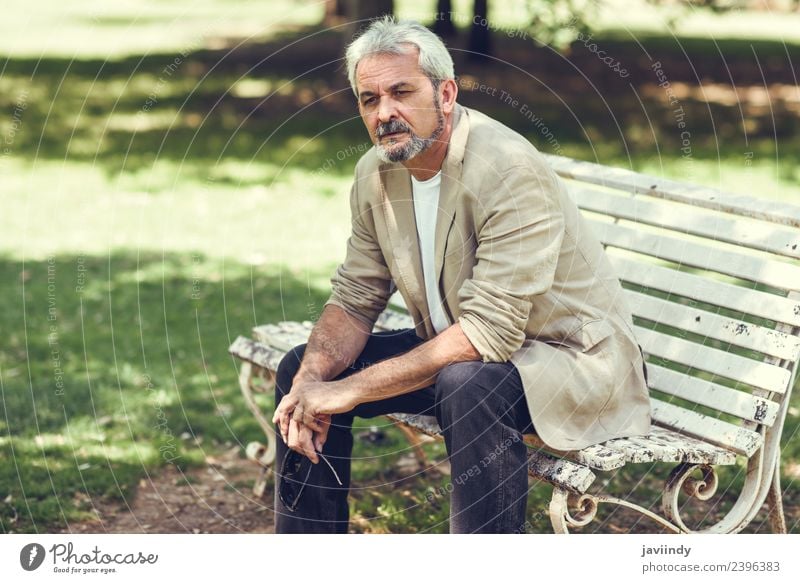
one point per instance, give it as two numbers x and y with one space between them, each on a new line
713 281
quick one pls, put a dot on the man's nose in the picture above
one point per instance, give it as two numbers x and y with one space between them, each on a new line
386 109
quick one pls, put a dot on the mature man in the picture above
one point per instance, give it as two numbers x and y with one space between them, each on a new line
519 319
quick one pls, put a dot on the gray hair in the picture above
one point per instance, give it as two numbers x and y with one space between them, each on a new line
389 36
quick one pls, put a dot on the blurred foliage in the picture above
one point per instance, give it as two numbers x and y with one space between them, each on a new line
559 22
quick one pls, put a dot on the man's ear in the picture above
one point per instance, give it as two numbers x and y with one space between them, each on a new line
448 91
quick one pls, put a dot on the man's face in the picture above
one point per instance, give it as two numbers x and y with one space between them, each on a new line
399 105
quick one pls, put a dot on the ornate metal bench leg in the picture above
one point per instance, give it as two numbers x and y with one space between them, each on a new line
259 453
263 455
559 510
585 508
777 519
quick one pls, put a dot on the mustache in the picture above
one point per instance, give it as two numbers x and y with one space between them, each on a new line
391 127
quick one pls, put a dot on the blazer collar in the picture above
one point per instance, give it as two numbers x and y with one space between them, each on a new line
398 207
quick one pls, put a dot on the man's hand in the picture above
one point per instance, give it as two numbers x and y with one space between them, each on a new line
309 399
303 440
299 438
303 416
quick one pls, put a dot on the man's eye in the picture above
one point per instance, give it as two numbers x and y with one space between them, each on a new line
369 101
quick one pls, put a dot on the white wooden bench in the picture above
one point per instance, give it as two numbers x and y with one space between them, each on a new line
713 281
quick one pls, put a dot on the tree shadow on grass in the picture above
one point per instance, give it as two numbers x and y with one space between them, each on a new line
114 366
264 103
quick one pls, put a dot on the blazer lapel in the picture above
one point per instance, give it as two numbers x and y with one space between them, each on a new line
398 211
451 182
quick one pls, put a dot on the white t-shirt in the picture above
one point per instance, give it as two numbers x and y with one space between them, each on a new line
426 206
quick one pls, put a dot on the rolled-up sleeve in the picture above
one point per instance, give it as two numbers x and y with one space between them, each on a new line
361 284
519 241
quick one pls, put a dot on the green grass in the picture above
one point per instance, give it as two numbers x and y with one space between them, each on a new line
122 374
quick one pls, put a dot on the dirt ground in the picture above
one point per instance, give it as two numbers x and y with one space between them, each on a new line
218 498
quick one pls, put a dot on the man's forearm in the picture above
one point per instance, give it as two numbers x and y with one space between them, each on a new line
412 370
335 342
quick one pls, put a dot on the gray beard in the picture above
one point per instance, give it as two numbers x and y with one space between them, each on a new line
415 144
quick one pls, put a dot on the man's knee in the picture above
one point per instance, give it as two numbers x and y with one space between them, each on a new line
287 368
463 385
457 380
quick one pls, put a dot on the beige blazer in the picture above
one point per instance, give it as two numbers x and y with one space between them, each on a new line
518 267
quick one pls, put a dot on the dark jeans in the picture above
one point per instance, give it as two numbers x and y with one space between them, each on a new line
482 411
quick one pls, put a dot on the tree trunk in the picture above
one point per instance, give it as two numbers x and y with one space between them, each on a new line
335 11
365 10
480 40
443 25
360 12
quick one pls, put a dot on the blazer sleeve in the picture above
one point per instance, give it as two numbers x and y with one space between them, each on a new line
518 243
362 284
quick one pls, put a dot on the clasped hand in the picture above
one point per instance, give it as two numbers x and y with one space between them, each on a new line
303 416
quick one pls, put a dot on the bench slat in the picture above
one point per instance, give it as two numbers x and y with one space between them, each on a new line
635 453
541 464
699 196
713 395
716 431
663 445
695 287
692 450
662 452
391 320
559 472
784 276
756 373
427 424
672 448
597 457
256 353
743 334
756 235
283 335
